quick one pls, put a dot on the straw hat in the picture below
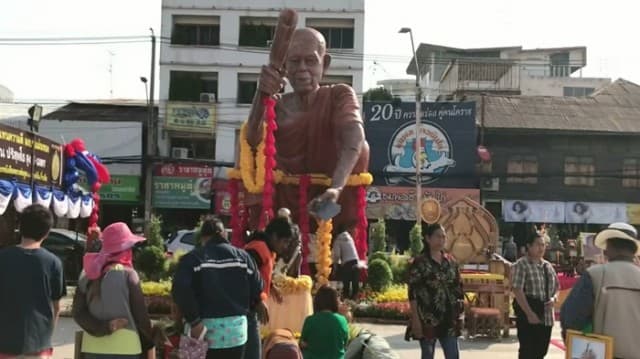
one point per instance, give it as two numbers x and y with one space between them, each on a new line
618 230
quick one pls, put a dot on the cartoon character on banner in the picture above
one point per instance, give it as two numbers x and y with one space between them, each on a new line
77 158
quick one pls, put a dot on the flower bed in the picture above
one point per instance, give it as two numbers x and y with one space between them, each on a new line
157 297
389 310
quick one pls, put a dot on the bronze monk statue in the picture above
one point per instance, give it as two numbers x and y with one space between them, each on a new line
320 129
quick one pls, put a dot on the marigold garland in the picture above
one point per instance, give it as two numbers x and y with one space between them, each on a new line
252 168
290 285
279 177
323 234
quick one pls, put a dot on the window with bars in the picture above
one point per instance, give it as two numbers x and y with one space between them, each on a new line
579 171
339 33
631 173
247 85
196 30
522 169
189 85
256 31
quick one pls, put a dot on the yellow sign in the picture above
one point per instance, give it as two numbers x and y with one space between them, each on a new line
633 213
191 117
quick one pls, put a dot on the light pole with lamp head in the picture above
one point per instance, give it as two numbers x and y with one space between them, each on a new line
418 154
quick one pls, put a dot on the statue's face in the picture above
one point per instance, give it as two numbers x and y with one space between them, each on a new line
305 62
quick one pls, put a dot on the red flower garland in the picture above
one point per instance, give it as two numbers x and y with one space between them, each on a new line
303 219
93 219
270 163
361 239
236 224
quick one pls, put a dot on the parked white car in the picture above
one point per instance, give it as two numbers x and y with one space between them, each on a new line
184 241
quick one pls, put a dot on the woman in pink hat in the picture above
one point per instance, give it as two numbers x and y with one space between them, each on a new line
109 305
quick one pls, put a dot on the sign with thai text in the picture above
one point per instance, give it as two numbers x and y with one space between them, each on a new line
24 156
191 117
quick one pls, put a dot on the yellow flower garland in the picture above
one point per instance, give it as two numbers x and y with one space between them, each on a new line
323 234
290 285
252 167
251 170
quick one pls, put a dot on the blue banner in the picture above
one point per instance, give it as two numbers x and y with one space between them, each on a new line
447 143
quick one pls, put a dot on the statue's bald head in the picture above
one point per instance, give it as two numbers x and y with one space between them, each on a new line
308 35
307 60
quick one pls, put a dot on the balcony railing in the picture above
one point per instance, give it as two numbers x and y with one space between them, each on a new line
482 75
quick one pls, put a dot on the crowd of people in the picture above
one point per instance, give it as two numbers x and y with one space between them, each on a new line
221 292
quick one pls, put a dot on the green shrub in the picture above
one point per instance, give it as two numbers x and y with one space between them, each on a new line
150 262
154 237
415 240
380 255
380 275
378 236
399 268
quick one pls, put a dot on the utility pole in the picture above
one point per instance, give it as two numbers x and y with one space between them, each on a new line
418 129
151 139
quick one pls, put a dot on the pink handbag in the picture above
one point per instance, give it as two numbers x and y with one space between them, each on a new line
191 348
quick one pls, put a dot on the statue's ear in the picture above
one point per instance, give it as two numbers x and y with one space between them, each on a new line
326 61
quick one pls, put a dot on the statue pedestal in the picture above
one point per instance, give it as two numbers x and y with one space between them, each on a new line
297 304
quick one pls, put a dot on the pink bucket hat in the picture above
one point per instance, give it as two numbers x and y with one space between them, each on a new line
116 238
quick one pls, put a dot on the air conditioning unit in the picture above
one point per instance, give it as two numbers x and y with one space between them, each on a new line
179 152
208 97
490 184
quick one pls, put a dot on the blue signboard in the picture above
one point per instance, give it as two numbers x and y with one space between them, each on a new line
447 143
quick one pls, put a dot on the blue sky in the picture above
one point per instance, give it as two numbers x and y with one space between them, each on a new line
82 72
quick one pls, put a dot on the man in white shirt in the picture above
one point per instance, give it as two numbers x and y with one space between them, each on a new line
345 257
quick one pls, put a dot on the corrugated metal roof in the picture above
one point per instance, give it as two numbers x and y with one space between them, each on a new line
103 111
613 109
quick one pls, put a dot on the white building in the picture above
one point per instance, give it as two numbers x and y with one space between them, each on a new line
211 55
449 73
405 89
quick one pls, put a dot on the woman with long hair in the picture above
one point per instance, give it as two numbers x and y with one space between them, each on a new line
109 305
435 295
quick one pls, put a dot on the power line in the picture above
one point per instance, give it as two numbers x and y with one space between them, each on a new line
337 53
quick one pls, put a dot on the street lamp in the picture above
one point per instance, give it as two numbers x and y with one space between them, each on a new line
146 88
418 130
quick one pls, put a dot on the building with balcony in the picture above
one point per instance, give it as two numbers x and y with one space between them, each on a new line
449 73
212 52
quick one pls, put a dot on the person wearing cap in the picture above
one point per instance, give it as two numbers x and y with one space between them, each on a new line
215 286
108 304
606 299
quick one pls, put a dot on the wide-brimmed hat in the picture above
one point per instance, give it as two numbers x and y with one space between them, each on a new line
117 237
618 230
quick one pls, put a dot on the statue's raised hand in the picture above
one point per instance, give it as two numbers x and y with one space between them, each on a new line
271 81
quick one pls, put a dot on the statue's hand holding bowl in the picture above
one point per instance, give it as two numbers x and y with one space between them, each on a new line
325 206
271 80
